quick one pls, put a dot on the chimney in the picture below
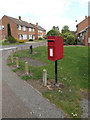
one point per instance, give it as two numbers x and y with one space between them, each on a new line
19 17
36 24
85 17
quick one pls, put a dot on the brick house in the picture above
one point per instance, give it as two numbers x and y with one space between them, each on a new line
39 31
83 31
19 29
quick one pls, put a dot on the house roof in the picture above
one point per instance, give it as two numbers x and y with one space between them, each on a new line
20 22
38 27
88 17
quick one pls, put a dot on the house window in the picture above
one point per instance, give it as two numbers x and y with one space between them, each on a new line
20 37
33 30
19 27
80 34
30 36
2 27
24 37
89 40
83 36
33 37
24 28
41 36
30 29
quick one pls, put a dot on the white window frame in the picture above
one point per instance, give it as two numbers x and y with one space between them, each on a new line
2 27
30 29
30 36
20 36
24 37
24 28
80 34
89 40
33 29
19 27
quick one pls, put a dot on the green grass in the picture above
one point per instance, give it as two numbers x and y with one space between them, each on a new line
72 72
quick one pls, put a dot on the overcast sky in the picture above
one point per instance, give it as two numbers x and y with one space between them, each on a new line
47 13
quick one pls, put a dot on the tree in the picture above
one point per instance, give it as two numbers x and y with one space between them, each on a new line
53 32
57 28
65 29
9 29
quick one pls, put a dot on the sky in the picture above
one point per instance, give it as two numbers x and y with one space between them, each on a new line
47 13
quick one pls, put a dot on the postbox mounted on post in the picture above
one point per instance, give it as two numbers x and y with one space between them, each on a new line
55 50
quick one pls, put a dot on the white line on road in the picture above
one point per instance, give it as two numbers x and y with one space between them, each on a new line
7 48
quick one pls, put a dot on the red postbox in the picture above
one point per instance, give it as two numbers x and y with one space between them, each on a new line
55 51
55 48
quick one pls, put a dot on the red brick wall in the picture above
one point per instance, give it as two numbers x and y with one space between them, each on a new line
85 23
82 25
1 30
36 33
13 27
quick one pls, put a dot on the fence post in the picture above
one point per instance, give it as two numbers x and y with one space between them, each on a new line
26 68
45 77
11 57
17 63
13 51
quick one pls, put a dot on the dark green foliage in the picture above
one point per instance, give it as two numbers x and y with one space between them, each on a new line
69 38
9 29
40 38
65 29
53 32
11 39
30 39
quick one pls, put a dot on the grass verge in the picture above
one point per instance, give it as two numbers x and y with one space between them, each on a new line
72 72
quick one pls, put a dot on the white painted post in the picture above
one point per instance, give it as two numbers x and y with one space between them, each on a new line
17 63
26 68
13 51
45 77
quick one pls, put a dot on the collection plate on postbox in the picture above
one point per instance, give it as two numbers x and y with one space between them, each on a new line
55 48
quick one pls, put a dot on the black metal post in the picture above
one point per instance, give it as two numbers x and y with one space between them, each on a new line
56 73
31 49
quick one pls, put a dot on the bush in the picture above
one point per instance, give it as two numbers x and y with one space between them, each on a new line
69 38
4 42
30 39
21 41
11 39
40 38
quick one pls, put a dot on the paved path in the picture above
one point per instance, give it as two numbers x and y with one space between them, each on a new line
21 100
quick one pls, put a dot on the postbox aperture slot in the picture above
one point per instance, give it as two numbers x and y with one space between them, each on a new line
51 52
51 41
